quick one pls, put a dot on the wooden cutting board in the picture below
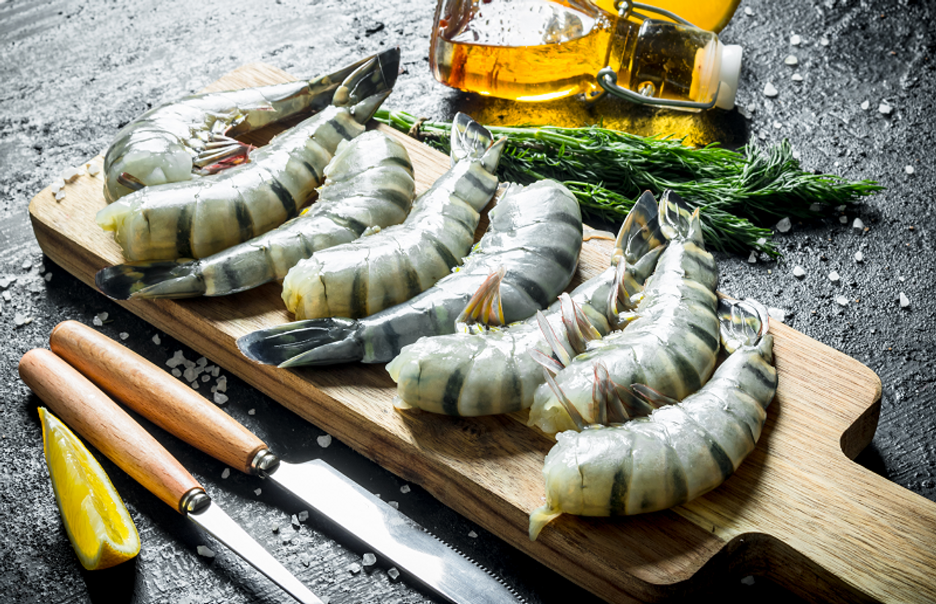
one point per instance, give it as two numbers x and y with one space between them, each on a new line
798 509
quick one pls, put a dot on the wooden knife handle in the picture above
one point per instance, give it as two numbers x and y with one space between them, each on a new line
90 412
155 394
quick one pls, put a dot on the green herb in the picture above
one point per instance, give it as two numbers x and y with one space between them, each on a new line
740 193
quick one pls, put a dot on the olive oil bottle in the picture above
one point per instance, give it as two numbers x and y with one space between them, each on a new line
535 50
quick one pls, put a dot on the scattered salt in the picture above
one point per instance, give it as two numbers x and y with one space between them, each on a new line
865 105
60 195
748 11
369 559
226 473
176 359
796 77
752 258
777 125
257 492
770 90
353 568
784 225
857 224
303 515
473 534
205 551
405 489
220 398
295 521
7 296
799 272
156 340
324 440
909 169
215 370
840 208
189 374
275 528
6 281
795 40
252 412
222 384
834 277
201 362
176 372
859 257
749 580
57 185
98 320
791 60
778 314
824 41
394 504
124 335
904 300
843 219
70 174
94 169
27 264
816 207
393 573
47 277
20 319
205 378
885 109
194 385
841 300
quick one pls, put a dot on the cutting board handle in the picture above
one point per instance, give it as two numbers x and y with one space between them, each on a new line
88 411
156 395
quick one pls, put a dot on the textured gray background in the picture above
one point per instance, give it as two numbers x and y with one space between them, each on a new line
74 72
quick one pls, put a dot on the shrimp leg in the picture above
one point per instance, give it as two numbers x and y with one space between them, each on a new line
368 184
200 217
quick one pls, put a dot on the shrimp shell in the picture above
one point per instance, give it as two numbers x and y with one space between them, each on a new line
198 218
378 271
677 453
164 144
369 183
673 344
491 371
534 235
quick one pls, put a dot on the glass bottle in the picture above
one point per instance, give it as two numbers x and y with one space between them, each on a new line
536 50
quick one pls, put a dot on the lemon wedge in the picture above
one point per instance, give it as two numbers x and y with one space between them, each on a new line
95 517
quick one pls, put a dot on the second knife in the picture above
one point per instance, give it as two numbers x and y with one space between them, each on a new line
176 408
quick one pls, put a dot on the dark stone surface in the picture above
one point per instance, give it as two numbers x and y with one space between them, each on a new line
74 71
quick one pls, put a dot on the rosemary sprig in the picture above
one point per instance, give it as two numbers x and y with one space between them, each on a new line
740 193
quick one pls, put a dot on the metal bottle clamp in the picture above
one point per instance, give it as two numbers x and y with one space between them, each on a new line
607 77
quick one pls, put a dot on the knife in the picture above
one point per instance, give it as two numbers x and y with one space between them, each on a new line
176 408
81 405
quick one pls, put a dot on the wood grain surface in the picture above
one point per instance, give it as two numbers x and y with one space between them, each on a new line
797 510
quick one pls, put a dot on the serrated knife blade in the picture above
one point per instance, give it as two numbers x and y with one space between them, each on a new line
176 408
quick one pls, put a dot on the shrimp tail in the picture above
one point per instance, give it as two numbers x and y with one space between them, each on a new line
743 323
369 85
678 221
323 341
640 232
151 280
472 140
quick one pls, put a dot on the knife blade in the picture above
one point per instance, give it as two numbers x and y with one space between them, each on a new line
81 405
176 408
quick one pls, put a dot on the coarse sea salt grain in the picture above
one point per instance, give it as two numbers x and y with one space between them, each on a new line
303 515
834 277
857 224
843 219
859 257
748 11
176 372
796 77
752 258
157 340
795 40
791 60
904 300
770 90
324 440
70 174
258 491
799 272
94 169
226 473
405 489
777 314
824 41
99 319
865 105
473 534
220 398
353 568
885 109
204 550
251 412
393 573
369 559
909 169
815 207
784 225
841 300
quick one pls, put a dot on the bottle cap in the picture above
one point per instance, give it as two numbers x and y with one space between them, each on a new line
730 72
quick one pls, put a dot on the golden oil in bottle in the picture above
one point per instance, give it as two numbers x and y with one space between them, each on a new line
533 50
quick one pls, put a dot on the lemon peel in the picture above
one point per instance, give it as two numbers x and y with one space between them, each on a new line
96 520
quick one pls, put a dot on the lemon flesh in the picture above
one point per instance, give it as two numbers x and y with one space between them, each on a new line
97 521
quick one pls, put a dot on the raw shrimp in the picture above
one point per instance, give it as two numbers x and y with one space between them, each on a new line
481 371
682 449
368 184
200 217
195 136
672 344
532 243
370 274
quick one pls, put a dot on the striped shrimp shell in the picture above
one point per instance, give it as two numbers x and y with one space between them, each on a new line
369 183
378 271
185 139
490 371
197 218
534 234
671 346
677 453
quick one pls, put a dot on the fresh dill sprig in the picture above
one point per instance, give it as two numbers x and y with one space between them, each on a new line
740 193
